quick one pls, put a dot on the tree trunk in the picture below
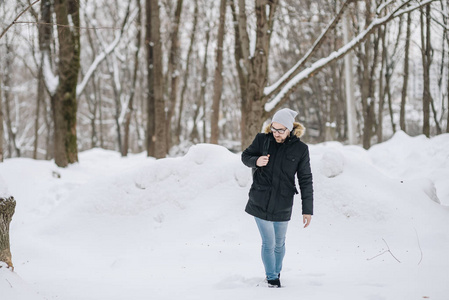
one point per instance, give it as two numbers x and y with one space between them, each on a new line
368 62
425 53
351 115
92 102
100 115
1 122
45 36
64 104
239 57
48 118
40 99
435 116
218 77
130 109
173 63
186 73
11 126
257 77
117 88
405 82
383 68
159 136
195 135
149 45
7 208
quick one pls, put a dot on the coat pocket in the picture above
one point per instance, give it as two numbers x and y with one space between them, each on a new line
290 164
259 195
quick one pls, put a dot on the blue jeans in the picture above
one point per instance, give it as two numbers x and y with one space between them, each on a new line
273 246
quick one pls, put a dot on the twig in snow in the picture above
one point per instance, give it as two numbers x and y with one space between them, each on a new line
419 245
9 282
385 252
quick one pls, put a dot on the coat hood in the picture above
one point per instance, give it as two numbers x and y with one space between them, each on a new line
298 129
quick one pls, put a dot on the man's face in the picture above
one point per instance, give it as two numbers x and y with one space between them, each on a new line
280 132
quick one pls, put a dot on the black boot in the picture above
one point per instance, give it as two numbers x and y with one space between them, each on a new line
274 283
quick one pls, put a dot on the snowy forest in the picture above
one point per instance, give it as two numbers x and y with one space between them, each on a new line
161 75
122 126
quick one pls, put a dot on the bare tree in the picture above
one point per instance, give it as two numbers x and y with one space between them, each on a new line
151 108
130 108
11 125
173 66
187 72
218 77
262 100
63 101
200 103
255 64
406 73
45 35
7 208
426 62
447 68
156 107
1 122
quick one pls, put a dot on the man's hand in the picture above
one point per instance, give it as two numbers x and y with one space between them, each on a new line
262 161
306 219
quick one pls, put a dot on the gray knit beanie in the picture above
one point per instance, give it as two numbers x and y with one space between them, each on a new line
285 117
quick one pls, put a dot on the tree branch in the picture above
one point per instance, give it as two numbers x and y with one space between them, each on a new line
291 85
15 20
244 38
276 87
80 88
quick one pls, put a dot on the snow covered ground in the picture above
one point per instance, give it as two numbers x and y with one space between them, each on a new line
137 228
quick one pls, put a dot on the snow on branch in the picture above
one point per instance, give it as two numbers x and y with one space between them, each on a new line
383 5
319 41
51 80
93 67
102 56
318 65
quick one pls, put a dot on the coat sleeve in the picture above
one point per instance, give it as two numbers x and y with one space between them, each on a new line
305 181
253 152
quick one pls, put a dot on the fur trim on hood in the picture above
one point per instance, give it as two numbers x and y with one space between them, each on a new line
298 129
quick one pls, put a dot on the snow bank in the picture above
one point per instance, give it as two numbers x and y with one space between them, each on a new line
416 158
117 228
12 287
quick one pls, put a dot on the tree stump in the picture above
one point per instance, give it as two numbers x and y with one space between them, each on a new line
7 208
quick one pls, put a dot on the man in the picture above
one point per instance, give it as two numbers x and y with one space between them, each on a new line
276 156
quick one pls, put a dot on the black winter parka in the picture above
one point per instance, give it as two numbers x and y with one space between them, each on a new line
273 189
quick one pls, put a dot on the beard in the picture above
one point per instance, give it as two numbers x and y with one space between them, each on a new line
279 139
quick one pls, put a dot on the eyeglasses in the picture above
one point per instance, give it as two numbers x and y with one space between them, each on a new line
280 131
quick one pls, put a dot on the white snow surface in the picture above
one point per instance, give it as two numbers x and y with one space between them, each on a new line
138 228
